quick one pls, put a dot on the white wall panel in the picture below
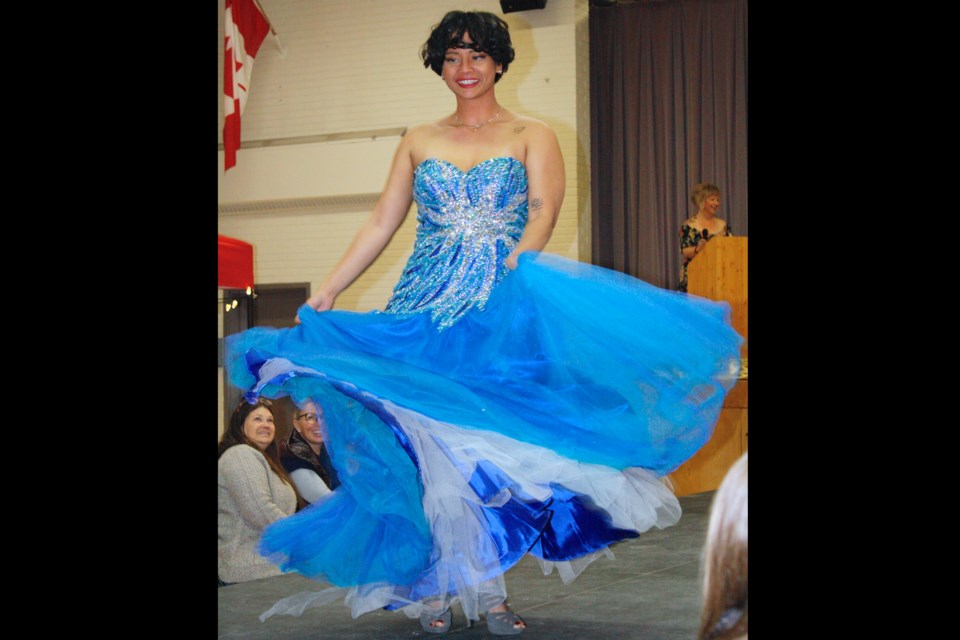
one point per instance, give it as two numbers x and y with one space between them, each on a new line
319 169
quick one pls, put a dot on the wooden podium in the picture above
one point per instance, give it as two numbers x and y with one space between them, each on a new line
719 272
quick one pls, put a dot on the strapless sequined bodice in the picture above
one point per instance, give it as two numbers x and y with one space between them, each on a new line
467 224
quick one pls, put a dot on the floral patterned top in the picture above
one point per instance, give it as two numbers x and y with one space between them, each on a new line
689 237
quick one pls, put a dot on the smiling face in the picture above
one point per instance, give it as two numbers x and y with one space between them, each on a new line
469 73
259 427
309 422
710 205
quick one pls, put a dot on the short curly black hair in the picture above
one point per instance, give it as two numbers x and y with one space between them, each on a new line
489 32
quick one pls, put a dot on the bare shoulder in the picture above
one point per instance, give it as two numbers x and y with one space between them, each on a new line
423 131
689 222
532 127
415 136
420 139
541 147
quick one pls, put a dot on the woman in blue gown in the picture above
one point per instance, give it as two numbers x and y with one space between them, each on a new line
506 401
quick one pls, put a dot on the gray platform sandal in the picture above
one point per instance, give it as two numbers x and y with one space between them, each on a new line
503 623
427 618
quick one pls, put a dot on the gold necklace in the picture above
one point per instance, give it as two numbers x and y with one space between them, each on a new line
476 127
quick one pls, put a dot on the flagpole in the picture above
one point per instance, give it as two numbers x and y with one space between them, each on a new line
276 36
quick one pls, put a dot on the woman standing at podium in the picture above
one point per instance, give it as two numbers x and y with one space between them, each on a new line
703 226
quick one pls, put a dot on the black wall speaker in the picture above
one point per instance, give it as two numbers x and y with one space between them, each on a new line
509 6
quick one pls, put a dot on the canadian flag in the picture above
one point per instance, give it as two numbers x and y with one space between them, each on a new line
246 28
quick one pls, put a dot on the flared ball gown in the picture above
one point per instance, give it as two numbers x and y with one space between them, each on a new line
485 413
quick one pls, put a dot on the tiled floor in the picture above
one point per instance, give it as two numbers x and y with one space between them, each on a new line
650 592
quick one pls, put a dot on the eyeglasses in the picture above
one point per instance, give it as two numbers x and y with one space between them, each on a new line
309 417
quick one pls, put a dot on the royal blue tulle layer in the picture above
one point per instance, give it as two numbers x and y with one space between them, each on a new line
593 365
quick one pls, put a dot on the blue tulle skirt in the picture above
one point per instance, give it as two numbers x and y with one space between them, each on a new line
543 424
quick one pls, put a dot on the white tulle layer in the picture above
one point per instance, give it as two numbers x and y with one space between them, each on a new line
447 456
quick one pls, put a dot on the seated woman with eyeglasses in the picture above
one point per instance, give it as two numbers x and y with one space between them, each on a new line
305 458
253 491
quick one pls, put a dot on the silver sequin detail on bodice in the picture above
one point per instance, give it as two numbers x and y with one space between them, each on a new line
468 223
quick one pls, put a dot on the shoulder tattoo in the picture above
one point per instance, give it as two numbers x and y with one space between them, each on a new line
519 129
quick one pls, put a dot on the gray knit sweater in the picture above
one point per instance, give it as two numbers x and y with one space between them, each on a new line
250 496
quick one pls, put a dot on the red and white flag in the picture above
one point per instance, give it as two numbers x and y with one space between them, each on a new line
246 29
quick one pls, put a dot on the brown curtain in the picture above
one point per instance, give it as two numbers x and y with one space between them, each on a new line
668 109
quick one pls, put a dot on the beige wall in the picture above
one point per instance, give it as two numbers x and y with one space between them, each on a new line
351 66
